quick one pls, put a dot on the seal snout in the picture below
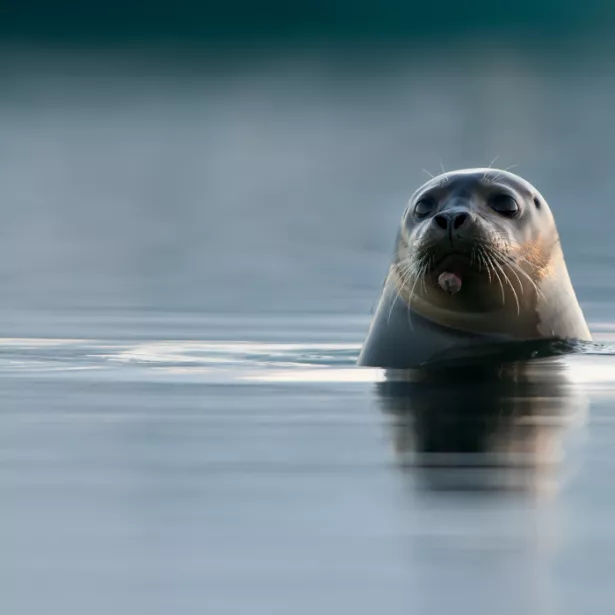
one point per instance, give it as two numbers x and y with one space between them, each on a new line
453 226
452 235
451 220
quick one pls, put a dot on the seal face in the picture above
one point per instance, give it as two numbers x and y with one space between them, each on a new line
477 260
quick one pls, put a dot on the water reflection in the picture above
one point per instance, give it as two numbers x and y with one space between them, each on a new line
483 428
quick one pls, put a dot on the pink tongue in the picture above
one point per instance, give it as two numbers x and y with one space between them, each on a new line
449 282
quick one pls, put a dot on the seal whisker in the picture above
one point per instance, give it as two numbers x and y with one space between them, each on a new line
498 263
398 267
490 165
405 270
507 261
416 279
499 175
479 260
516 267
507 280
523 273
490 259
485 263
521 288
412 270
422 273
407 274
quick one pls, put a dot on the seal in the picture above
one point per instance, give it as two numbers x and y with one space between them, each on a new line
477 263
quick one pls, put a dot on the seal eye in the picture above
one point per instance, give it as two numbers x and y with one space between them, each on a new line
505 205
424 207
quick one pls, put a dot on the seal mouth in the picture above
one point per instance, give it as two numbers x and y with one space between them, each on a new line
454 262
451 271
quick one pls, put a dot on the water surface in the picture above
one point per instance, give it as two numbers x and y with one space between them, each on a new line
176 475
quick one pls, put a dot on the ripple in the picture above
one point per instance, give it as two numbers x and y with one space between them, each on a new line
239 353
233 361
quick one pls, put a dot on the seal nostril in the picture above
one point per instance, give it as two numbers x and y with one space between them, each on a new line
441 221
459 220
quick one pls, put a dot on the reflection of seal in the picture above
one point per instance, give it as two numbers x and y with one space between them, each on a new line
477 262
470 429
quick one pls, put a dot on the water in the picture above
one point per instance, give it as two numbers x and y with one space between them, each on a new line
189 255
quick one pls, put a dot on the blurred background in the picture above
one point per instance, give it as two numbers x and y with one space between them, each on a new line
198 203
254 157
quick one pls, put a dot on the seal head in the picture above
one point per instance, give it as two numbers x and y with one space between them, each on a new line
477 261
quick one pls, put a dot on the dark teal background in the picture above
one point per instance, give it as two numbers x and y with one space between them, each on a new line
194 21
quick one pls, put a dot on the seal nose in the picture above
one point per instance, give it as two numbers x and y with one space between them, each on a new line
451 220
